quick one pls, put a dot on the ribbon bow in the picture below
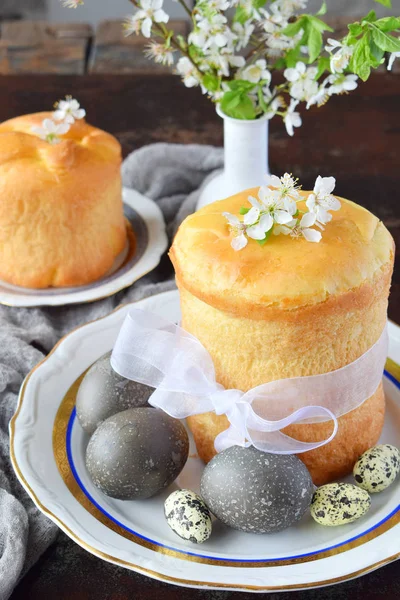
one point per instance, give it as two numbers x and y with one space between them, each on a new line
159 353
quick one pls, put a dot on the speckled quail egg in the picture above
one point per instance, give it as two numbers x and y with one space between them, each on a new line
104 393
377 468
137 453
188 516
339 503
256 492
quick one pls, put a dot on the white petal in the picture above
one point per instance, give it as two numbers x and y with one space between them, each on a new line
312 235
49 125
63 128
146 28
291 74
254 202
252 216
308 220
333 43
282 217
58 115
266 222
274 181
323 216
310 202
80 113
239 242
257 232
232 219
301 67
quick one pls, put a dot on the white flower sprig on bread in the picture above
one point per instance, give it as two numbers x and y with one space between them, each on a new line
67 112
275 211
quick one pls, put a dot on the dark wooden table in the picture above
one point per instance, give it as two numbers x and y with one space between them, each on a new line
354 138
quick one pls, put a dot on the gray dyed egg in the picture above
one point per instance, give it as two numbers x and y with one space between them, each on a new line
377 468
188 516
339 503
136 453
104 393
256 492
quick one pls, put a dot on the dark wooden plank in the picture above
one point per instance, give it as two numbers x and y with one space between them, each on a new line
113 52
38 47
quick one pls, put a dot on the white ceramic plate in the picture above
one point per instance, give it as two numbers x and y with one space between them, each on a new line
147 223
47 450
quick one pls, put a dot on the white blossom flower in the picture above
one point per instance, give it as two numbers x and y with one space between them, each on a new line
298 228
302 79
238 229
256 72
321 201
273 106
340 55
340 84
218 4
275 211
280 210
292 118
287 186
68 110
242 33
287 8
210 30
160 53
321 97
304 228
50 131
131 25
260 229
71 3
188 72
151 10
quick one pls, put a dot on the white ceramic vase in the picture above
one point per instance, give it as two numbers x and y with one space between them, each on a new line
245 159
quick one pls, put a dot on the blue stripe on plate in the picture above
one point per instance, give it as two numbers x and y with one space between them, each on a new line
184 552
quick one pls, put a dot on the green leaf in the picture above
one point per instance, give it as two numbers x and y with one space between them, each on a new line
265 240
360 62
238 105
258 3
241 15
386 42
388 23
314 44
355 28
322 10
370 18
241 85
261 100
243 210
387 3
293 56
210 82
377 54
323 65
293 28
318 24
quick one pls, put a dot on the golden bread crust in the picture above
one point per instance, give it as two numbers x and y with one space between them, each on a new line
257 279
61 214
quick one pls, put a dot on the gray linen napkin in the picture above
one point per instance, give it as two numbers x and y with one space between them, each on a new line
170 174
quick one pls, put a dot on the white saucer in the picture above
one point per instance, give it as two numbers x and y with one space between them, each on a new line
48 450
147 223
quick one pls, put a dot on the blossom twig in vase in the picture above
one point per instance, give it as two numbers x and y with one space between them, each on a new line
235 47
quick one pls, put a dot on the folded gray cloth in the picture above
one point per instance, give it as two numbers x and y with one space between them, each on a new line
170 174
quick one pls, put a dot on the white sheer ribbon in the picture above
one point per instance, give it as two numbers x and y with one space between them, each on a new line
158 353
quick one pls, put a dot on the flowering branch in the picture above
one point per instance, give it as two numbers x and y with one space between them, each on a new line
275 211
233 58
